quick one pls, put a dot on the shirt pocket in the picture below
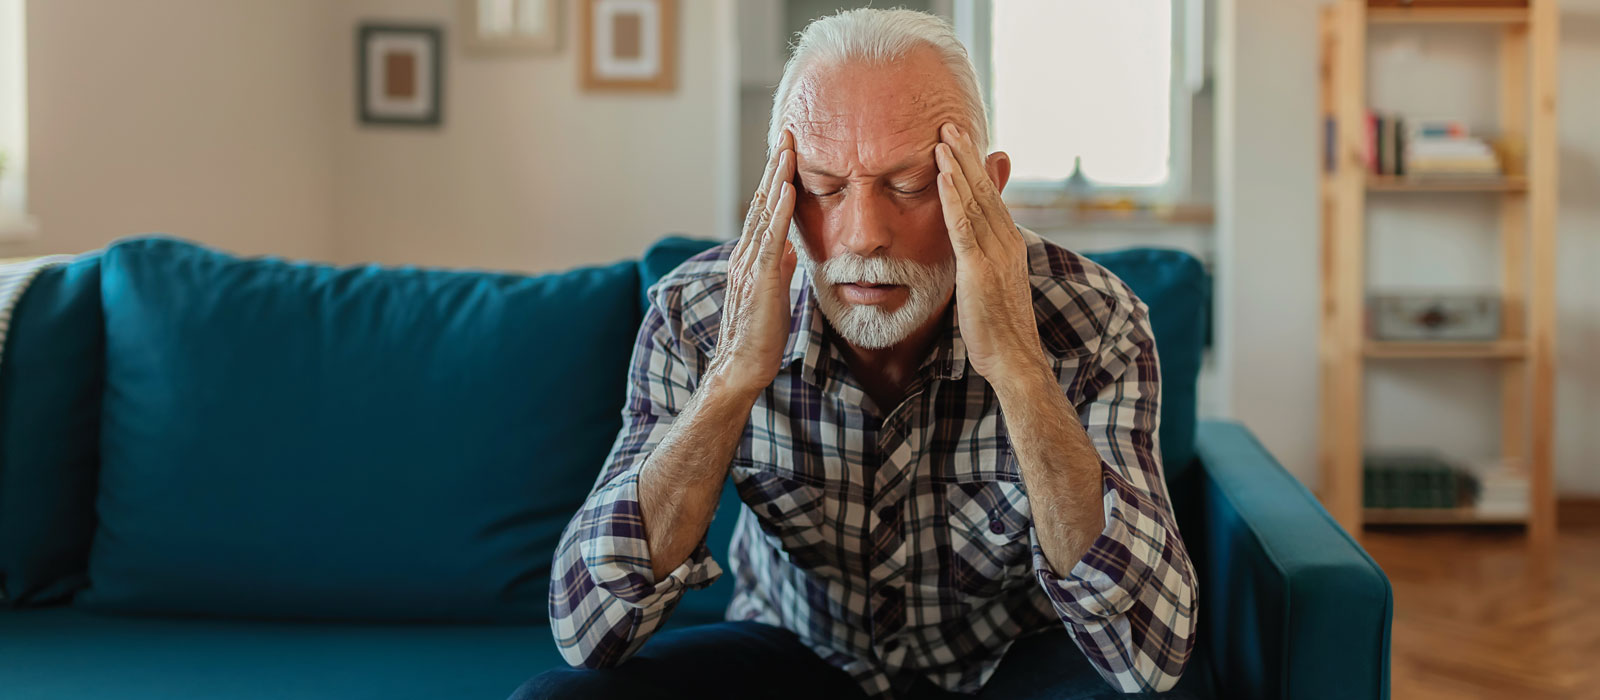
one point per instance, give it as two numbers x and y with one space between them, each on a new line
990 549
790 509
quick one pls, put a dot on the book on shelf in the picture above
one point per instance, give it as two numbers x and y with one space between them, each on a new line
1432 148
1415 479
1503 489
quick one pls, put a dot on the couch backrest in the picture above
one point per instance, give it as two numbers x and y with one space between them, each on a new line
277 439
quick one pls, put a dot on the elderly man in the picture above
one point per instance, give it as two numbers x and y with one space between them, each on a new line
942 427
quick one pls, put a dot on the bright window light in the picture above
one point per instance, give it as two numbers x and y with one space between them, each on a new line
13 118
1083 78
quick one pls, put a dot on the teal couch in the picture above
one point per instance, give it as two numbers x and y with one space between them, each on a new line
251 478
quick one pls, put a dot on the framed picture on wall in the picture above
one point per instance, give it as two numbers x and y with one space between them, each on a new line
629 45
400 74
526 27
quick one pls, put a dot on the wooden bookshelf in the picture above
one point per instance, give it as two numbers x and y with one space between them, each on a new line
1447 15
1526 195
1403 183
1437 516
1421 350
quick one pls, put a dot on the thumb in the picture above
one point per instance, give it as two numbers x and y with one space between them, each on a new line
789 261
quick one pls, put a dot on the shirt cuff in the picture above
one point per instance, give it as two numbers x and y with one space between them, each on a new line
1105 583
617 554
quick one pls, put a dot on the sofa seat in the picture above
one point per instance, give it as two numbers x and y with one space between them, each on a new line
63 652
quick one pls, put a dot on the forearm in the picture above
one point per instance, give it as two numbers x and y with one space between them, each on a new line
1060 466
681 481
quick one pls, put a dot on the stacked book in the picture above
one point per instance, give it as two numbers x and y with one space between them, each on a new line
1426 149
1415 480
1504 491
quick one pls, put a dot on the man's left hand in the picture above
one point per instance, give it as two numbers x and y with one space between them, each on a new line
994 301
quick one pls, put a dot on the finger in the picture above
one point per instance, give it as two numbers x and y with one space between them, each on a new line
955 217
977 219
983 189
785 143
777 234
780 174
780 177
758 200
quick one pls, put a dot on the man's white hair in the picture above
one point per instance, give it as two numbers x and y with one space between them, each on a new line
879 36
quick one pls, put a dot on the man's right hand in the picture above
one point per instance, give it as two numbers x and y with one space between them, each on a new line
755 314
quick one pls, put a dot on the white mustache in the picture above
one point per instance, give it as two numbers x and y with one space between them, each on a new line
849 268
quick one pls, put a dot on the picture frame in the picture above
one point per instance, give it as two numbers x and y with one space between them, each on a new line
400 74
629 45
512 27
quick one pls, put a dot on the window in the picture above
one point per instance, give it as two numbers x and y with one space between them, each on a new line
1091 81
13 122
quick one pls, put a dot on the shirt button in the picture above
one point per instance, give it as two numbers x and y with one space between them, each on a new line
997 527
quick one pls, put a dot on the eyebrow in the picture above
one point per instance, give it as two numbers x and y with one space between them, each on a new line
896 169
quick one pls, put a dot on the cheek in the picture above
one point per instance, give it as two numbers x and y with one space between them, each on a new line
923 229
814 223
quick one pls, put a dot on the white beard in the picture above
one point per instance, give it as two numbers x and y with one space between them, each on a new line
867 325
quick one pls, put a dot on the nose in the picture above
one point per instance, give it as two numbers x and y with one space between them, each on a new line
866 223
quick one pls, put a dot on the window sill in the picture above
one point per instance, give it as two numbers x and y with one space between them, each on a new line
1121 215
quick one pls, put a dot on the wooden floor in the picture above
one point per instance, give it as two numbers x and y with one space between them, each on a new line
1479 615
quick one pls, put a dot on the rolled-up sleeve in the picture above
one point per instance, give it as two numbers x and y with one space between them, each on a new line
1129 603
604 599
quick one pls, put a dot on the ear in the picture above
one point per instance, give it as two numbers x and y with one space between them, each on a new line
998 165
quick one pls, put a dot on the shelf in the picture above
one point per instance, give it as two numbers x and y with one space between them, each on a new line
1447 15
1439 350
1437 516
1402 183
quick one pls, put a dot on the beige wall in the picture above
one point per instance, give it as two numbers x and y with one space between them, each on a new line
529 173
233 123
197 118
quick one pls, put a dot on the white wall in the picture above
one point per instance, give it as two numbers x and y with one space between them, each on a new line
1267 247
528 172
201 119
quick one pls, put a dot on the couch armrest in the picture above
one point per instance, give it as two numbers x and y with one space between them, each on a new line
1297 609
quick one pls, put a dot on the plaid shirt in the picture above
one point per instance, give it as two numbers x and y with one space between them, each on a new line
897 543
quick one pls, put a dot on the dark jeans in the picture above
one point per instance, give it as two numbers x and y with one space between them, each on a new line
753 660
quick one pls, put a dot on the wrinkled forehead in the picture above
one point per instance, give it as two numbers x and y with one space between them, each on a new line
859 115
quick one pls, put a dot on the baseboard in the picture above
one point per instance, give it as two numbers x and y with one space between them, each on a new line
1578 511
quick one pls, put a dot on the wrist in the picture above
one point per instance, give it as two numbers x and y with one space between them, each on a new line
725 382
1025 378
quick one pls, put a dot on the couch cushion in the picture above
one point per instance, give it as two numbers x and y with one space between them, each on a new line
69 653
295 440
50 386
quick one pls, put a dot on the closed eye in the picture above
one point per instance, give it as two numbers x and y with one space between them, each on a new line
912 192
